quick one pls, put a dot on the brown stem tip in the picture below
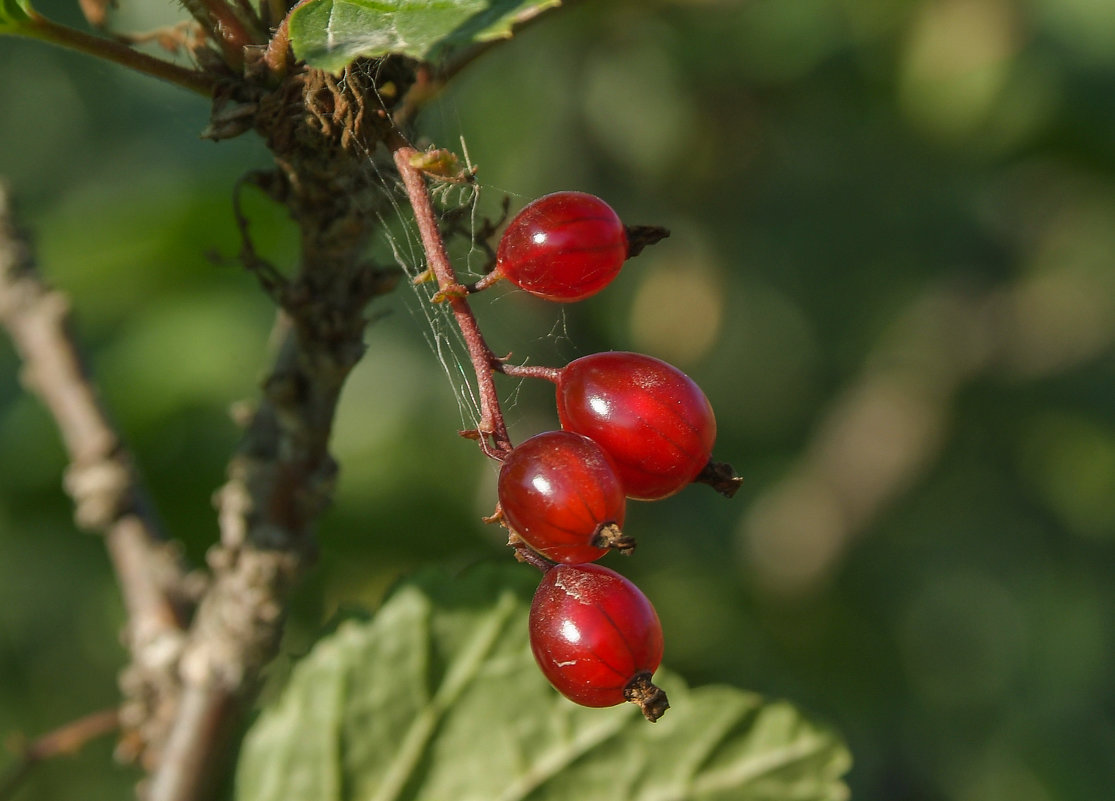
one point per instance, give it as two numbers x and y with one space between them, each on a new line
642 692
525 554
641 236
610 536
721 477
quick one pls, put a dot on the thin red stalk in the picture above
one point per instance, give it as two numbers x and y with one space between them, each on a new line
525 554
551 374
492 429
494 277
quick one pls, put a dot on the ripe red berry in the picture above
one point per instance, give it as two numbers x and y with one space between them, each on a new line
651 418
559 491
597 638
564 247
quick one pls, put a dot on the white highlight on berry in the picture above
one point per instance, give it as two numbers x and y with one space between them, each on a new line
570 632
600 406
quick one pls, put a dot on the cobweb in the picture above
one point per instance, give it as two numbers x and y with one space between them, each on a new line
470 209
460 210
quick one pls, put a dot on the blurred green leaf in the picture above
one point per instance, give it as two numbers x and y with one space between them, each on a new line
14 14
330 34
437 697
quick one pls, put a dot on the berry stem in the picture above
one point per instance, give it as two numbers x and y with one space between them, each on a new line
551 374
491 428
527 555
494 277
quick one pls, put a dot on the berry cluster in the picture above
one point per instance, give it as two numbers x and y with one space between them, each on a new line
632 427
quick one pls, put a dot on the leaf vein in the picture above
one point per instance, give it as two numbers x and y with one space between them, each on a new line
457 677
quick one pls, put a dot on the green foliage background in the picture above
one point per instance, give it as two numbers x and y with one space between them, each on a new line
826 167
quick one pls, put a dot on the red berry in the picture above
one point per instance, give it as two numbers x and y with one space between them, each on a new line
559 491
597 638
564 247
651 418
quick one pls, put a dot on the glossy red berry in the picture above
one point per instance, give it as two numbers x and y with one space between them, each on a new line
559 491
651 418
597 638
564 247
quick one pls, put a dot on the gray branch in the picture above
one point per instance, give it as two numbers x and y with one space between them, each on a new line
103 483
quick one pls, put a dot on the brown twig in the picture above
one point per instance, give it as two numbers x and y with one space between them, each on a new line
111 50
101 479
278 483
281 478
63 741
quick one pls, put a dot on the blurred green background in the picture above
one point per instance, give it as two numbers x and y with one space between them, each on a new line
892 270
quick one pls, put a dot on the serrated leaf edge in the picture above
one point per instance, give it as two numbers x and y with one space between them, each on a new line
724 709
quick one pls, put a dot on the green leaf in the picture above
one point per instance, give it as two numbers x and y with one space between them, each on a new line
437 698
14 15
330 34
